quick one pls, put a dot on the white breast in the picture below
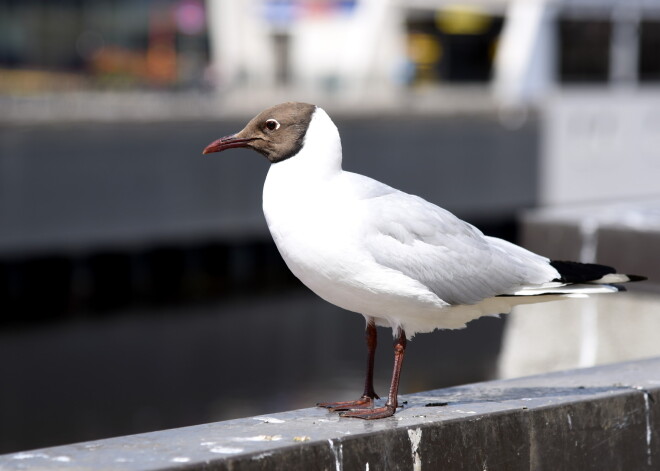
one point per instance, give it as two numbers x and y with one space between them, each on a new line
318 229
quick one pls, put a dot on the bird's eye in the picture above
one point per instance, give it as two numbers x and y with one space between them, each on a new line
272 124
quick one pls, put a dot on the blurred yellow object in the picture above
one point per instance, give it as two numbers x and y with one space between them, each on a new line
424 49
461 19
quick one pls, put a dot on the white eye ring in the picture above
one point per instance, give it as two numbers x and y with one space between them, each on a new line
272 124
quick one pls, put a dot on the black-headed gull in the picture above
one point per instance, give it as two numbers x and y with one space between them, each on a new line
395 258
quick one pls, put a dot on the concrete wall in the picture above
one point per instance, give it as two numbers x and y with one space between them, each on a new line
592 419
599 145
599 329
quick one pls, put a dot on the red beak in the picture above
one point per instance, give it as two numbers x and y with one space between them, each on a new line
227 142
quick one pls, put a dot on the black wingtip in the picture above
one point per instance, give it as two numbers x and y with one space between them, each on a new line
576 272
637 278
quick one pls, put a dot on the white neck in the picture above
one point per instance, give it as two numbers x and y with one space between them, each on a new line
293 187
320 156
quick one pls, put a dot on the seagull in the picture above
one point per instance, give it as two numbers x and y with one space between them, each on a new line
397 259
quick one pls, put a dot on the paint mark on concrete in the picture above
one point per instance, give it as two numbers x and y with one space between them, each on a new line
180 459
338 453
225 450
649 428
29 456
570 421
262 455
258 438
415 436
269 420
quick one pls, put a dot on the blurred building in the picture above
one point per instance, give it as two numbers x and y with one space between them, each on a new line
524 47
344 48
71 45
591 68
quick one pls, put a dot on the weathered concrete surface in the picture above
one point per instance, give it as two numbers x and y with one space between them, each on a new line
598 418
600 329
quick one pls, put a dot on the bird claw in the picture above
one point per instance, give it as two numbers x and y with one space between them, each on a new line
370 414
364 402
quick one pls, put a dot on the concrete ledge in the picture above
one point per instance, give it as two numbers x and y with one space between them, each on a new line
598 418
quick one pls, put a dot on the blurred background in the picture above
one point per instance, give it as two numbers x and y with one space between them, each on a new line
139 287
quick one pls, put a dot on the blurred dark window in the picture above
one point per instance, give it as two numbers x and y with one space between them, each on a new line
453 45
584 50
649 51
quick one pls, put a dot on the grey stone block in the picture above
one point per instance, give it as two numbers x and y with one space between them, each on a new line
631 250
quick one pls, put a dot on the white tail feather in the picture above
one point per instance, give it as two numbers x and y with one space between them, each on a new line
612 278
565 290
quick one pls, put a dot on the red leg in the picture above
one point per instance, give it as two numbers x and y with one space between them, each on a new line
368 396
392 402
